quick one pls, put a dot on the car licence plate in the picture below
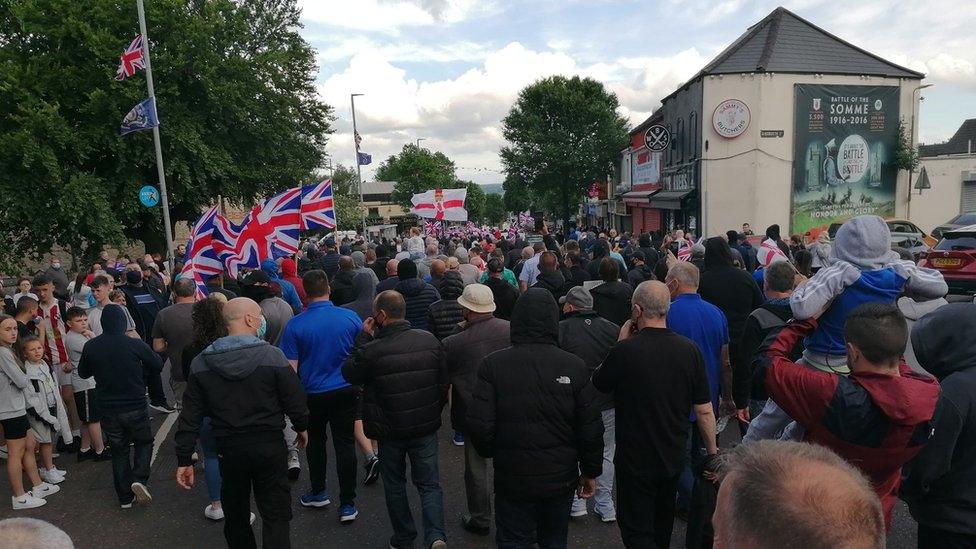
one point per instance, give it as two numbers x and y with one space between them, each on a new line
946 261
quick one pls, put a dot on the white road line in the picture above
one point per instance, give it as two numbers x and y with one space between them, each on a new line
161 435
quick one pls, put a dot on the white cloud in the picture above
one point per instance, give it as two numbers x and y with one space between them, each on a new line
390 15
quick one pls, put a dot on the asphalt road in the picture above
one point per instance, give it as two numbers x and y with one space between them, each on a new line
86 508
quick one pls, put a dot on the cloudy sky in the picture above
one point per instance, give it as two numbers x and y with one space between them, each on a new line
447 71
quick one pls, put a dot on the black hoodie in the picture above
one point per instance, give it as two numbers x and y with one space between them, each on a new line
246 387
362 303
531 408
729 288
119 363
940 483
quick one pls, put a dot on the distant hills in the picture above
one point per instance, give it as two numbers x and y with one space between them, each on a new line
493 188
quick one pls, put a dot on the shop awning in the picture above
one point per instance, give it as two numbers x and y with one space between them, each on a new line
669 200
639 198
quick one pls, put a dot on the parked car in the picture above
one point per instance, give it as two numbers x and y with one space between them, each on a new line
912 243
955 257
961 220
898 228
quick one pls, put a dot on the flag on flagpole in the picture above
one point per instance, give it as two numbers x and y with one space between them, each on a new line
364 159
359 139
200 260
141 117
269 231
131 59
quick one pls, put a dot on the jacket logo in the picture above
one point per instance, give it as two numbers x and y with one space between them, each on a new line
563 380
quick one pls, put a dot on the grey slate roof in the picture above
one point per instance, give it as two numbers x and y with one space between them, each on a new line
785 42
958 144
378 187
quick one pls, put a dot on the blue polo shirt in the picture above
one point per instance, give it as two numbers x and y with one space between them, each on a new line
320 339
705 324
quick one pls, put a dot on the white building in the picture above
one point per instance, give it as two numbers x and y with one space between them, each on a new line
789 125
951 170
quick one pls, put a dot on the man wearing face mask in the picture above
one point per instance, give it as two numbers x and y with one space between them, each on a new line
247 388
58 277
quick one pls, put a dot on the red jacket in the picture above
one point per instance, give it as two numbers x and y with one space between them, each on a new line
289 272
876 422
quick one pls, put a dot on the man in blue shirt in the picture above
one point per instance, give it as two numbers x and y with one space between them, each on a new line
706 325
316 343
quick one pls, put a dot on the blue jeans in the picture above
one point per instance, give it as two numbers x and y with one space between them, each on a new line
603 499
422 452
211 465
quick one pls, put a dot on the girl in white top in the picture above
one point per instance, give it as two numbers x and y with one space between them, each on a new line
13 415
415 244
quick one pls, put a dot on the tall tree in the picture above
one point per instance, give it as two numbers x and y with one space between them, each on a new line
474 202
494 211
563 134
416 170
240 116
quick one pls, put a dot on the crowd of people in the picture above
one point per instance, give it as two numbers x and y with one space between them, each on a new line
589 371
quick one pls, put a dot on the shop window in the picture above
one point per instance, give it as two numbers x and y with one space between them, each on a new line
679 139
693 134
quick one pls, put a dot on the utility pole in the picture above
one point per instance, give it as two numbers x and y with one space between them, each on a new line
163 197
359 170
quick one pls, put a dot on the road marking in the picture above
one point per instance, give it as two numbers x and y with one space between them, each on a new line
161 435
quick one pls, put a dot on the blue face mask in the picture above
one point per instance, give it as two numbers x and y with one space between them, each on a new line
263 328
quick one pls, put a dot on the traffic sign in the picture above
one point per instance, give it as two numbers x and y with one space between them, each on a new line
657 138
149 196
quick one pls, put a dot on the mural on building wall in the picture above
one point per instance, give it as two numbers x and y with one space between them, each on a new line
843 152
646 167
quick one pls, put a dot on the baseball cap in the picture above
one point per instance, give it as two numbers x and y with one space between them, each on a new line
578 297
477 298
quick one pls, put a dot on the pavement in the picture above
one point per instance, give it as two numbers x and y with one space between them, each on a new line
87 510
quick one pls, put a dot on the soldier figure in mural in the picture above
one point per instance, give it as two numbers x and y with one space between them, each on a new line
831 174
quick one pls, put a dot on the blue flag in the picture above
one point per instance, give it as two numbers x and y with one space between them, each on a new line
141 117
364 159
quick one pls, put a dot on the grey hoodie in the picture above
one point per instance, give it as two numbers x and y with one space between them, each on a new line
913 311
13 384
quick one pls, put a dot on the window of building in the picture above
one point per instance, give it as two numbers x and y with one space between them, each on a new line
679 139
693 134
374 212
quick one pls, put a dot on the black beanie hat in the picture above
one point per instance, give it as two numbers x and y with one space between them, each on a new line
406 269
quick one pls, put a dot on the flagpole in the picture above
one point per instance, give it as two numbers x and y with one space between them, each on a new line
359 170
164 198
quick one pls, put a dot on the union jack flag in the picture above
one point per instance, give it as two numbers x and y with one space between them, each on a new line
200 261
131 59
270 230
318 208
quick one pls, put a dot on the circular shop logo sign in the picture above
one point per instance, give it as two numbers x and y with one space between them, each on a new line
149 196
656 138
853 158
731 118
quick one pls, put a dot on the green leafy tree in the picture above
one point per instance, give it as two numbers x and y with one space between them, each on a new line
474 202
494 212
906 154
563 134
239 116
416 170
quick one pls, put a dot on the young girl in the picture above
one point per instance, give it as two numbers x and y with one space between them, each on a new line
16 430
46 413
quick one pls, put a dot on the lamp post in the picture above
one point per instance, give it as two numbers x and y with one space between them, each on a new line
359 171
911 140
419 139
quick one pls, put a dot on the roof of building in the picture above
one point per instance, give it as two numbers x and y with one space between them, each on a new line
787 43
962 142
378 187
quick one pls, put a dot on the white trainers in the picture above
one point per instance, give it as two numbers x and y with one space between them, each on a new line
44 490
26 501
294 466
213 514
141 492
51 476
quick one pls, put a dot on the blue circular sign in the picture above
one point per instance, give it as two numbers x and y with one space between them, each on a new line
149 196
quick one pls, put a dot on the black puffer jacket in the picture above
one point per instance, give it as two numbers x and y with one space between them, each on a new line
445 314
531 410
611 300
419 296
404 381
590 337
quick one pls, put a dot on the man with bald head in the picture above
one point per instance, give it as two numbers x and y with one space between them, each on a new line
657 378
391 277
829 505
437 269
247 387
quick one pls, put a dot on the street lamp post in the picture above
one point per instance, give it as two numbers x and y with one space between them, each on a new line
419 139
359 171
911 140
